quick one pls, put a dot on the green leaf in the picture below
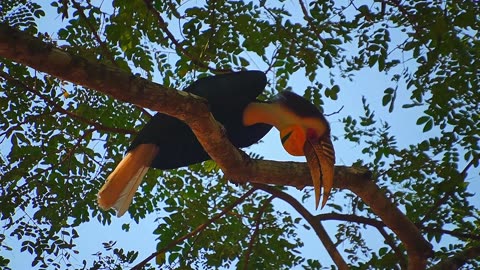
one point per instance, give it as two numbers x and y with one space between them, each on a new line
328 60
428 125
423 120
160 258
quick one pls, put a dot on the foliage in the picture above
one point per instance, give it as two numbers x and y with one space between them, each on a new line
59 141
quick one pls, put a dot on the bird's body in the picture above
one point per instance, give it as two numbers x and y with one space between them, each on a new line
227 96
166 142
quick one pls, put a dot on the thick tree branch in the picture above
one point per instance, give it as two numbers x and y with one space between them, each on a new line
22 48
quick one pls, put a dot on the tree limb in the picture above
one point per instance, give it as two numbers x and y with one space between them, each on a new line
164 26
256 231
60 109
316 225
106 52
200 228
379 225
193 110
459 259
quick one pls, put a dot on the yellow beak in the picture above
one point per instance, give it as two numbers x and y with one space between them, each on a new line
321 162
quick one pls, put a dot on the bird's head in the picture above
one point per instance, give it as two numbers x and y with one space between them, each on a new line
304 131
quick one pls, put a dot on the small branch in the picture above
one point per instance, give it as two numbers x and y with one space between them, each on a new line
163 25
258 218
432 210
418 249
465 170
312 220
200 228
459 235
419 32
391 242
459 259
379 225
336 112
351 218
92 29
60 109
103 45
311 23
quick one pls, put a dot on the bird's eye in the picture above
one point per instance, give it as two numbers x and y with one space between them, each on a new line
285 138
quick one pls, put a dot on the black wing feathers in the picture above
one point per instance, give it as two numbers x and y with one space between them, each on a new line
227 95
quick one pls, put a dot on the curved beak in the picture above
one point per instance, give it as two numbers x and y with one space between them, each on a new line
321 162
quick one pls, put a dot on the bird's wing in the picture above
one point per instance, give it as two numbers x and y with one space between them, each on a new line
231 87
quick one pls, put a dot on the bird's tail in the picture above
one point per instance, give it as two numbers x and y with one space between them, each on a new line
122 183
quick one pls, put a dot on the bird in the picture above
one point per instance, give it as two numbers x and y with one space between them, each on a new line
166 142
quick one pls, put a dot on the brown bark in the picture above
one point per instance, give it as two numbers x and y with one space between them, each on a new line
22 48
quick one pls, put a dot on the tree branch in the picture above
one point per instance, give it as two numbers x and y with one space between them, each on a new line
379 225
92 29
311 23
200 228
60 109
457 234
193 110
316 225
258 218
459 259
163 25
441 201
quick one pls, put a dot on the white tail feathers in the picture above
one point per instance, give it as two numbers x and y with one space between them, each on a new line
122 183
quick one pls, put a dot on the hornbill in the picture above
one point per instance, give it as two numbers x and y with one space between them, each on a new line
166 142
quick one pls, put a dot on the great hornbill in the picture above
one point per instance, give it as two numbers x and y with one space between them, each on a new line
166 142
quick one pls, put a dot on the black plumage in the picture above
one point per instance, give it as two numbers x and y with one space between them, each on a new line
227 95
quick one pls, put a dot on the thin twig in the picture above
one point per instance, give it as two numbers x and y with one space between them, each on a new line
312 220
432 210
163 25
379 225
258 218
92 29
60 109
336 112
311 23
200 228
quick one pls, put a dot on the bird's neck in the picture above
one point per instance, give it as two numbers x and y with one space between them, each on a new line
267 113
279 116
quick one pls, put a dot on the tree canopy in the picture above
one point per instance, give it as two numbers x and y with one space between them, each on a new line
78 79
